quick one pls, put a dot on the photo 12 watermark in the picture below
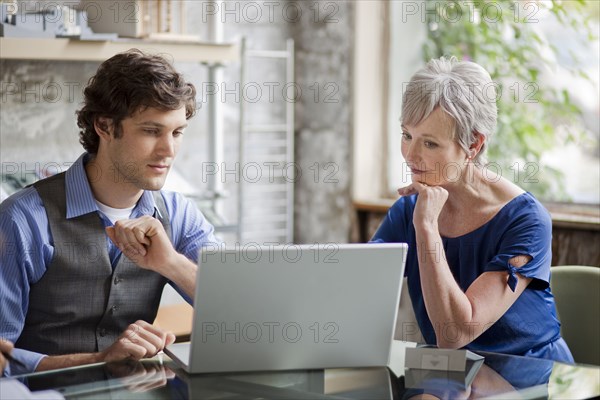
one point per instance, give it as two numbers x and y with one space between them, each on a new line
271 252
470 92
88 252
39 92
452 172
473 11
269 171
270 332
269 92
465 332
30 172
270 11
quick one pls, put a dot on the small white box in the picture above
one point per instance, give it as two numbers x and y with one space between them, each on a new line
123 17
136 18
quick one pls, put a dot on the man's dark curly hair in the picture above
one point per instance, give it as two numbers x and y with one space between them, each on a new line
129 82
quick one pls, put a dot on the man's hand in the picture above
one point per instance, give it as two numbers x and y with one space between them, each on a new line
5 347
144 241
140 340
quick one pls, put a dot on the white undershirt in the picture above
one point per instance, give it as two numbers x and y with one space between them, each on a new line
114 214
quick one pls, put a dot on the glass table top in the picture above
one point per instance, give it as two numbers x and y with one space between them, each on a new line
501 376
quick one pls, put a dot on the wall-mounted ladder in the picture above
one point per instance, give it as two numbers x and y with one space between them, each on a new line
266 202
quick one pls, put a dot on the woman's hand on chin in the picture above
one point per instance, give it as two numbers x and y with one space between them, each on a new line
429 205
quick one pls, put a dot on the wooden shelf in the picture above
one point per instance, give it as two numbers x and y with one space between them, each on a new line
90 50
375 205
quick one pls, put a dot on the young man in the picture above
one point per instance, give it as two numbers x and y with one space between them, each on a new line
87 252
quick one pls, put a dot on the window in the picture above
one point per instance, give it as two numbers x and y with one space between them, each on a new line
545 56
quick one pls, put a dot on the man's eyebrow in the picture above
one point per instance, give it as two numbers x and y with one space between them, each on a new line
158 124
151 123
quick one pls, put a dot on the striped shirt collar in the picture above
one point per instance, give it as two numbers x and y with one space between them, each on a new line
80 200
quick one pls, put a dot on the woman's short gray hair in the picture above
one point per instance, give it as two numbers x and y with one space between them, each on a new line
464 90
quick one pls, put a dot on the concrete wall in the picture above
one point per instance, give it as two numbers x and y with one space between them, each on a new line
324 50
39 99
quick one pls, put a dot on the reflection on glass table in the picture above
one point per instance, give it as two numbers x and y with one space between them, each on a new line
510 377
500 377
153 379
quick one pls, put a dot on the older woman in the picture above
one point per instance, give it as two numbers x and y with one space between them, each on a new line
478 266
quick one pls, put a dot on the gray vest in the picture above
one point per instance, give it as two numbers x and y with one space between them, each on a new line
81 305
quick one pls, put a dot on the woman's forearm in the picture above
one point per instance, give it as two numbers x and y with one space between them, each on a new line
448 307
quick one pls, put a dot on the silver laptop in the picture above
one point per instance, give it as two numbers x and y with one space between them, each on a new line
293 307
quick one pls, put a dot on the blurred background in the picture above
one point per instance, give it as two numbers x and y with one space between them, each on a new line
297 138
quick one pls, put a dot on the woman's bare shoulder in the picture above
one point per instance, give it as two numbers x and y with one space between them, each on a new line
505 190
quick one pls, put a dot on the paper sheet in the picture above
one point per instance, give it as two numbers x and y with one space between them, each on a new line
12 389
